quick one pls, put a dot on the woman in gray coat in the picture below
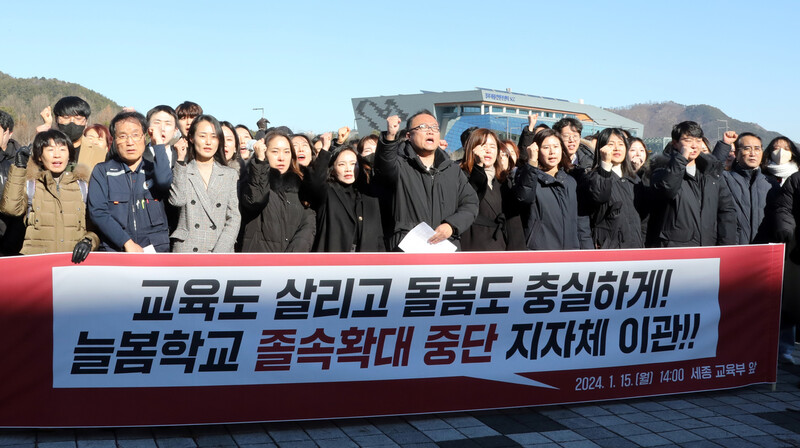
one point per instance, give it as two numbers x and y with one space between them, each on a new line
204 189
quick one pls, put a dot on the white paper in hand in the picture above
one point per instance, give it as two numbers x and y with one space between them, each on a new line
416 241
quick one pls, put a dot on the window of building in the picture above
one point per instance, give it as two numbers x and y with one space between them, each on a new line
471 109
448 109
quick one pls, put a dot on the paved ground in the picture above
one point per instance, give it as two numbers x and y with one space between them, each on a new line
752 416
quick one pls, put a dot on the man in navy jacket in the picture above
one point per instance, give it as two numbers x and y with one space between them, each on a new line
127 194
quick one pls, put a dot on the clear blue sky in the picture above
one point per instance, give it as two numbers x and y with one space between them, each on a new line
303 61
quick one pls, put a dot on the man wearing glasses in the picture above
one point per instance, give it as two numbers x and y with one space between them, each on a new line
692 205
425 184
750 188
127 193
570 130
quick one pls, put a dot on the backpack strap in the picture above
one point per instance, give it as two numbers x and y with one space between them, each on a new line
84 189
31 189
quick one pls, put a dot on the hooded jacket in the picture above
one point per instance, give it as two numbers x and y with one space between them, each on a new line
275 220
57 218
689 210
436 196
751 190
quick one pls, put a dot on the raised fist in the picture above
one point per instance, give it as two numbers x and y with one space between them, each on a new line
532 121
392 127
342 135
729 137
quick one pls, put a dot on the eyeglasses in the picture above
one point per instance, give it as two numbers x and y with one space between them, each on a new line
751 149
425 128
570 137
124 137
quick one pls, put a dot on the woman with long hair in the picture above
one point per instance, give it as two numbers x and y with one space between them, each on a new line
497 226
613 192
548 195
275 218
204 190
347 206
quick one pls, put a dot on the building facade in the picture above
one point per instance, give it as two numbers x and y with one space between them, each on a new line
503 111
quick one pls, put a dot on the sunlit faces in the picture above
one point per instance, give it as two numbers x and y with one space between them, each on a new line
369 147
504 164
303 150
511 153
426 139
55 157
550 154
617 147
345 167
490 151
781 152
571 138
129 138
162 123
637 155
279 154
691 144
318 145
96 139
230 143
244 137
749 152
206 141
184 123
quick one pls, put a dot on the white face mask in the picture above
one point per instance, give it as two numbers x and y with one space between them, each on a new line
781 156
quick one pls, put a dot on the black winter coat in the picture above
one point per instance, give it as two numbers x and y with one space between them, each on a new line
12 228
751 190
689 211
498 226
615 203
786 213
274 218
436 196
348 216
549 210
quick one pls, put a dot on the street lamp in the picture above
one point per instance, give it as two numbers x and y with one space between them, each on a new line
261 109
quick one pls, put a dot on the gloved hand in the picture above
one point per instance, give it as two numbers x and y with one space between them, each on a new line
21 159
81 250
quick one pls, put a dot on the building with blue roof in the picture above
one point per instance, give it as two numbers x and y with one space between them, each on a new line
504 111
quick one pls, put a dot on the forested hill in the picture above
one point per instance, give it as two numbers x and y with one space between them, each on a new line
658 119
24 99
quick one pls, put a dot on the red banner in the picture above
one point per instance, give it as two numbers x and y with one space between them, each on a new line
139 339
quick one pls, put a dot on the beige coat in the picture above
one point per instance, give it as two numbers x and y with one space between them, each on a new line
57 219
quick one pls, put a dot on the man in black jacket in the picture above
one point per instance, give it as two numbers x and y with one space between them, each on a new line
692 205
750 188
425 184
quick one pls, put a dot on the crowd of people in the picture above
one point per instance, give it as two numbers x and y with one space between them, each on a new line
181 180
